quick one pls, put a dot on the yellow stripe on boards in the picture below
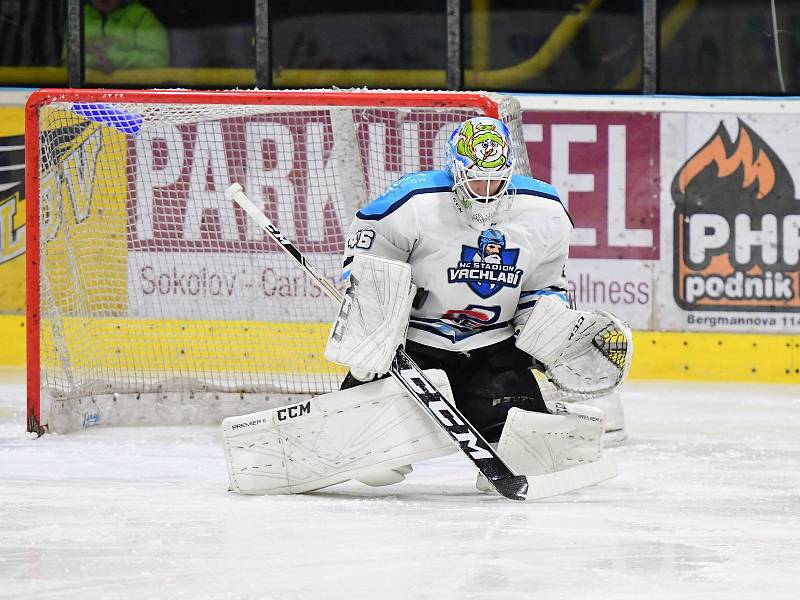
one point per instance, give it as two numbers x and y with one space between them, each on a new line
657 355
12 340
716 357
189 346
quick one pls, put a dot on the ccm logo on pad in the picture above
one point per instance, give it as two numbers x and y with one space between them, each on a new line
291 412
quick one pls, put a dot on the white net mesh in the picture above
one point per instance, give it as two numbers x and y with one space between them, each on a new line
160 301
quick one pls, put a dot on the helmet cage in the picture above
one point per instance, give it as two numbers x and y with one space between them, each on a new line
480 179
480 209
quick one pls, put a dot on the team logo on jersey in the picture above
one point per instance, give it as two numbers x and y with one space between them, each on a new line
459 324
487 268
472 317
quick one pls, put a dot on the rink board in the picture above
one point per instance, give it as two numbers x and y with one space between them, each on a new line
625 167
658 355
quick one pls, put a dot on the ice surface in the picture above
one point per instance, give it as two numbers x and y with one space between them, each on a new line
707 505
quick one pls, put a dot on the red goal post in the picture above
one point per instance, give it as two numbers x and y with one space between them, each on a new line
151 299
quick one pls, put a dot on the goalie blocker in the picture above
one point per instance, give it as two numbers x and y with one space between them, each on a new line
373 316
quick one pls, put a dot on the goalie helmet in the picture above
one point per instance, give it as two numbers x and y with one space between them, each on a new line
480 160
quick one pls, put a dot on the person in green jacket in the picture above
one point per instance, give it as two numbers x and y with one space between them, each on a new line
123 34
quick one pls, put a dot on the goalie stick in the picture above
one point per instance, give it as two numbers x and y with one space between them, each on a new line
409 375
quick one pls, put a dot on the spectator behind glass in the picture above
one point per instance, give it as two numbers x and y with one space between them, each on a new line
123 34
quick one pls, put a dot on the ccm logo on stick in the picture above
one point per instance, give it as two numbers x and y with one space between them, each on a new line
290 412
441 410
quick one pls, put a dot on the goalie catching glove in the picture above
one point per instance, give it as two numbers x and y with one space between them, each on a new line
373 317
588 352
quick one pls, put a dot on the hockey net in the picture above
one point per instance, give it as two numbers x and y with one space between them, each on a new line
154 300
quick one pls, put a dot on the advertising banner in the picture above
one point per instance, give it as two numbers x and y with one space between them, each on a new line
12 210
733 218
240 286
605 167
683 221
191 250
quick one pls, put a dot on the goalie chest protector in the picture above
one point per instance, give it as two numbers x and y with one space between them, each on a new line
474 281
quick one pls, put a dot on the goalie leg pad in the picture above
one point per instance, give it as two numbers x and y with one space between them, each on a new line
371 433
610 403
614 417
537 443
558 452
373 316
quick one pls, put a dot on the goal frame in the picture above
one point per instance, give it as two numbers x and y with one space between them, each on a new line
483 101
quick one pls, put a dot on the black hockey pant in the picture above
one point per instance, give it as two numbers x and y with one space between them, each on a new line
486 382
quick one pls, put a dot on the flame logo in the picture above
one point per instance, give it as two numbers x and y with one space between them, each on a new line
746 176
756 169
734 208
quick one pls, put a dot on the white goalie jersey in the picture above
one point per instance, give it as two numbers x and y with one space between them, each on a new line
471 284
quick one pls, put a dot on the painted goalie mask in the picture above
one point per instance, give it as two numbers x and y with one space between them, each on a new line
480 159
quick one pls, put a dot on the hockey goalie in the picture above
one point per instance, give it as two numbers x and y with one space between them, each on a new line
464 268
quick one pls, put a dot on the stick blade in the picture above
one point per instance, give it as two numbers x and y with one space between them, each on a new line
574 478
513 488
